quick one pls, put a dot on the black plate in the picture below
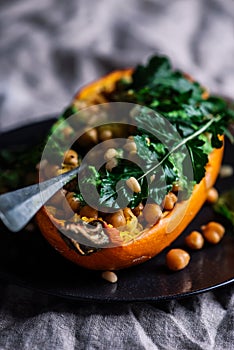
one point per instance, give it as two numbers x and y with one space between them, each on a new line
27 259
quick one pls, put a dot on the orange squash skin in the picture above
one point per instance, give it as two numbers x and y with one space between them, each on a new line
153 240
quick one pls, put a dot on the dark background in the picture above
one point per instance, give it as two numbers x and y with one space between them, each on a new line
50 48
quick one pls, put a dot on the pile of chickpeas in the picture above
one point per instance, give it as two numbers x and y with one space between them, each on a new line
148 214
212 233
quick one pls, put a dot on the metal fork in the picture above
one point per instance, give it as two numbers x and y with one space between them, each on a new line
18 207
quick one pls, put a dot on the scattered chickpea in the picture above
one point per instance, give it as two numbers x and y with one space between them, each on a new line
70 158
213 232
116 219
177 259
133 184
110 153
212 195
112 163
215 226
89 212
169 201
212 237
194 240
109 276
152 213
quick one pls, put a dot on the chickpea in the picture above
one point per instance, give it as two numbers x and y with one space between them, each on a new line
213 232
127 213
138 210
177 259
89 212
215 226
169 201
130 146
71 158
105 134
194 240
112 163
212 237
152 178
65 168
89 138
73 202
116 219
110 153
130 138
152 213
212 195
110 276
133 184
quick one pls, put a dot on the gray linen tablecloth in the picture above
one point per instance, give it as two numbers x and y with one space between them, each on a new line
48 49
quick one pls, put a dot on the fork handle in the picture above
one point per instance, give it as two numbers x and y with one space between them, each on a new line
18 207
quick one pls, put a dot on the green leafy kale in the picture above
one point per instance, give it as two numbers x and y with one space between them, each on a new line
184 103
197 119
113 189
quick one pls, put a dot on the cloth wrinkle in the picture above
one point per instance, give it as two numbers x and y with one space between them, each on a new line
48 50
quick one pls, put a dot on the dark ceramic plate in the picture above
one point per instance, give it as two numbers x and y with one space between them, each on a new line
27 259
